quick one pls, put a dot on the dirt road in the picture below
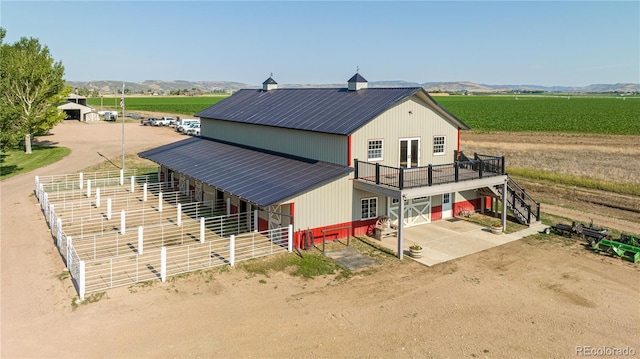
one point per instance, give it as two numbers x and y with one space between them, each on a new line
533 298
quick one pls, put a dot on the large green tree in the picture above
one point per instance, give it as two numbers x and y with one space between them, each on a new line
31 88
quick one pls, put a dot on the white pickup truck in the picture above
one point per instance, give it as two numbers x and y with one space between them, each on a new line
165 121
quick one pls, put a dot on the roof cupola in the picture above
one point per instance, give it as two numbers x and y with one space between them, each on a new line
269 84
357 82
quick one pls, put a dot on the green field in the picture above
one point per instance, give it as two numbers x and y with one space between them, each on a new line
185 105
601 115
576 114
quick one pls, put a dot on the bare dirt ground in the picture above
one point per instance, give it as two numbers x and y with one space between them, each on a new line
540 297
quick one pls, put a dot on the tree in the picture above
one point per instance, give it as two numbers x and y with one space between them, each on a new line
31 88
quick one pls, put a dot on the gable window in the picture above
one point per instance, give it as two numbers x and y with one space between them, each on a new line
369 207
374 150
438 145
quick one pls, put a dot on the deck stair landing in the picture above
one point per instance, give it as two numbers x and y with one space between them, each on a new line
523 206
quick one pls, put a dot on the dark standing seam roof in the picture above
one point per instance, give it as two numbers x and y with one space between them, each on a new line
258 177
357 78
332 110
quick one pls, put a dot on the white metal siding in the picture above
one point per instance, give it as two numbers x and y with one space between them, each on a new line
315 145
409 119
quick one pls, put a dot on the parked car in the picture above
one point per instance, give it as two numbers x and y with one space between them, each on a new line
165 121
193 130
185 124
148 122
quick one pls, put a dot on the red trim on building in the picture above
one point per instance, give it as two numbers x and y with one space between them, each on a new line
349 150
436 213
358 228
467 206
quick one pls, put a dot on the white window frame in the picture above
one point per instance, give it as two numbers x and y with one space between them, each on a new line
444 145
369 158
366 203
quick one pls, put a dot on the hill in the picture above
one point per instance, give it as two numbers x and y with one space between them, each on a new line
161 87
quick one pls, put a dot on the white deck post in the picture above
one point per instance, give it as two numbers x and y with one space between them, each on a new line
163 264
144 192
81 180
109 208
98 197
140 240
88 188
160 202
255 220
81 281
122 176
133 182
290 238
179 214
232 250
201 229
400 226
123 222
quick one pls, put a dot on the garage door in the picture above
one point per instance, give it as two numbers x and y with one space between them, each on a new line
417 211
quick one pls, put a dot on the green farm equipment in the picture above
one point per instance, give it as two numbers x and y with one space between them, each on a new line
629 250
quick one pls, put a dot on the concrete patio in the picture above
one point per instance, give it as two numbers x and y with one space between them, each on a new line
453 238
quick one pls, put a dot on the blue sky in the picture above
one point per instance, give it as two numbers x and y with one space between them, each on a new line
572 43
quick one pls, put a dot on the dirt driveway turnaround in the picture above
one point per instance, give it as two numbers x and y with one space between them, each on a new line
531 298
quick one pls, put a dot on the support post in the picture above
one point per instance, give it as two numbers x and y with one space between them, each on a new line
160 202
232 250
88 188
37 185
228 206
290 238
172 179
81 180
201 229
140 240
98 197
255 220
400 226
109 208
504 206
59 233
81 281
179 214
122 176
133 181
123 222
163 264
144 192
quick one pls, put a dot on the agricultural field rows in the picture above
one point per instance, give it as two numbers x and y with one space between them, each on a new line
574 114
568 114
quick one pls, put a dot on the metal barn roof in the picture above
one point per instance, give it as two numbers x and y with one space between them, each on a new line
261 178
329 110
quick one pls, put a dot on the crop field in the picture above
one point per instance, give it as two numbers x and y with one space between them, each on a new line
599 115
186 105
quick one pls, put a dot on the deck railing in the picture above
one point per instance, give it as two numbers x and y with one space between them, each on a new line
403 178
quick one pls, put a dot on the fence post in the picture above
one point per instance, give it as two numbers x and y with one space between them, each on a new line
232 250
133 179
88 188
36 189
140 239
290 238
81 180
50 215
81 281
401 179
456 167
201 229
160 202
377 173
163 264
255 220
123 222
179 214
59 234
144 192
98 197
69 244
109 208
121 177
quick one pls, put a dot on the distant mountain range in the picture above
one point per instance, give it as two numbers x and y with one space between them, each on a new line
165 87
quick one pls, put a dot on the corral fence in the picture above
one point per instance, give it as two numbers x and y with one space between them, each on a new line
142 233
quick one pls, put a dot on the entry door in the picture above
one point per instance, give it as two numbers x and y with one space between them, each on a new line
446 205
409 149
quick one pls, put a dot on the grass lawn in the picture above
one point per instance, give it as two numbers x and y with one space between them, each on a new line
16 162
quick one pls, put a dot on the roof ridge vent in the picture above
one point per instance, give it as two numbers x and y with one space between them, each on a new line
357 82
269 84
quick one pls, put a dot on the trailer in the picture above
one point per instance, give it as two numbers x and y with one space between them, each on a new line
578 230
